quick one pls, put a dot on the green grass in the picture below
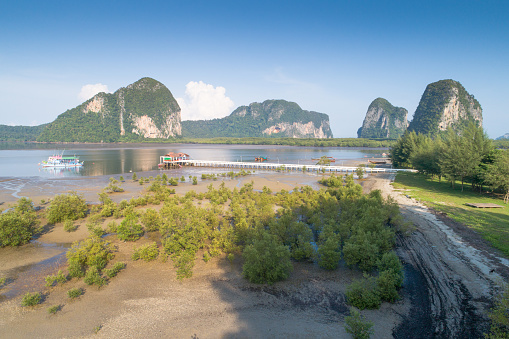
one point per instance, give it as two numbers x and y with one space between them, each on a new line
491 223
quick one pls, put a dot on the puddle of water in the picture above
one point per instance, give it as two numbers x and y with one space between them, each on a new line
30 278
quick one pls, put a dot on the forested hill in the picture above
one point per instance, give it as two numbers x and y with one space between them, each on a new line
144 109
445 104
271 118
20 133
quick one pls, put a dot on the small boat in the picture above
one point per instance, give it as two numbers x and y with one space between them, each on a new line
377 162
60 161
260 159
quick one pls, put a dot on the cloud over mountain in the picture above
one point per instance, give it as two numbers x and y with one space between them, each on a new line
90 90
204 102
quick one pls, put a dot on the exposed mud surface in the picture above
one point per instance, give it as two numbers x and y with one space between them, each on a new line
451 275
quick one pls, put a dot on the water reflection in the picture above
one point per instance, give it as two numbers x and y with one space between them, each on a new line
108 161
60 171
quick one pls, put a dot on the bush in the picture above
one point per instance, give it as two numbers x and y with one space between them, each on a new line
184 263
112 272
19 224
357 326
31 299
93 277
266 260
330 252
390 262
387 286
146 252
135 177
54 309
69 226
151 220
74 293
129 229
363 293
91 252
113 186
70 206
60 278
108 209
112 227
95 229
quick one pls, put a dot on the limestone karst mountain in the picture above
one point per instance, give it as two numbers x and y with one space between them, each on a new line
445 104
271 118
383 120
145 108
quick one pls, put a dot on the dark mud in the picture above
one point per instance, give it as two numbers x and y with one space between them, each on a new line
449 293
418 323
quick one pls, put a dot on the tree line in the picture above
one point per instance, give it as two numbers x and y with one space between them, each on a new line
469 157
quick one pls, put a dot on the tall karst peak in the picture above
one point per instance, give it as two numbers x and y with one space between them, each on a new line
383 120
145 108
445 104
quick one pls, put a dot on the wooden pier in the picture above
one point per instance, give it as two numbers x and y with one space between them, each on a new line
283 167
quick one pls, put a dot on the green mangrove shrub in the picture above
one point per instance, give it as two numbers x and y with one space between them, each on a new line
129 229
59 278
117 267
74 293
70 206
31 299
357 325
93 277
147 252
91 252
266 260
19 224
363 293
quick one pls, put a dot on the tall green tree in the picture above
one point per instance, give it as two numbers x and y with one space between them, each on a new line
463 153
402 151
497 174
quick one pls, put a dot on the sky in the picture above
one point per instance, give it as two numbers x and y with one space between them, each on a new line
333 57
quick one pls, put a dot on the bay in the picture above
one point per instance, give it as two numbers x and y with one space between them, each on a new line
110 159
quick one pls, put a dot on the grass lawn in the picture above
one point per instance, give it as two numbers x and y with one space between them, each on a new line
491 223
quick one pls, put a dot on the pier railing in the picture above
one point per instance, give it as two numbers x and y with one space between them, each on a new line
282 167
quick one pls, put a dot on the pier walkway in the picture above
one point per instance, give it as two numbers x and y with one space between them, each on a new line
282 167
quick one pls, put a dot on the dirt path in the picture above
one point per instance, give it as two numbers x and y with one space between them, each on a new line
450 276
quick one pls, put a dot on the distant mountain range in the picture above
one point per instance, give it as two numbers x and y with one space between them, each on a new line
505 136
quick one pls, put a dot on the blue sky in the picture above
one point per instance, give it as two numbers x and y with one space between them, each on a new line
333 57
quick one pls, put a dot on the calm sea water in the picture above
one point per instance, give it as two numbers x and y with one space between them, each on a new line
112 159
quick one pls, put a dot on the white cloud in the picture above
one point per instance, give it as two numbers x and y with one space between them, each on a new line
90 90
203 102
